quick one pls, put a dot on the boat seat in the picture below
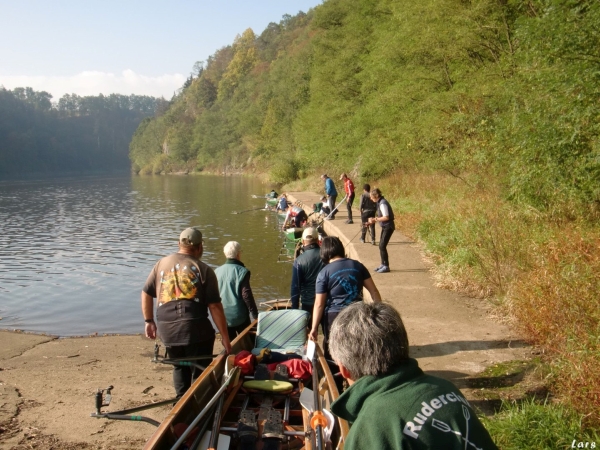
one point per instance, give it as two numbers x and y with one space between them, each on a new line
284 330
273 386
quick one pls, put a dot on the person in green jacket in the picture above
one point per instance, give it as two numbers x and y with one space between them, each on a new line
236 293
391 403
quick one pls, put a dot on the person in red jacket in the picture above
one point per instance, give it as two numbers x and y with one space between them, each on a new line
349 189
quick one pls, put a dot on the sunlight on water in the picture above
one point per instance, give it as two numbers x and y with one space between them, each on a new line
74 254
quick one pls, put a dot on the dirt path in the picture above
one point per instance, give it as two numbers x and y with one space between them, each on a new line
47 385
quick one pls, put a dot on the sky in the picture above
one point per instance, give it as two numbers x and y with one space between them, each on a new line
122 46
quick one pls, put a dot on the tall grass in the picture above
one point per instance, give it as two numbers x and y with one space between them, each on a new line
544 273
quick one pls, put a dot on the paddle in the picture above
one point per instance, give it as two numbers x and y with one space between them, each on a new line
232 376
246 210
318 420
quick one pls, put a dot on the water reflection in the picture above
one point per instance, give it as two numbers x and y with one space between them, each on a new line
74 254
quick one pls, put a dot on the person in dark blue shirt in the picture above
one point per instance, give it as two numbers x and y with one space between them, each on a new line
305 270
339 284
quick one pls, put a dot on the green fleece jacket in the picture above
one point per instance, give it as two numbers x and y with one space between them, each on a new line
407 409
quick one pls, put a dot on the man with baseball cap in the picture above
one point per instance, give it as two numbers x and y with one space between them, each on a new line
185 289
304 272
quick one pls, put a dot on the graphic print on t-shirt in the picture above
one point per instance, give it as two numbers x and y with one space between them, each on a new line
179 283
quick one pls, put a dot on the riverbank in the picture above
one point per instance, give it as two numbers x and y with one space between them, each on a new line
47 385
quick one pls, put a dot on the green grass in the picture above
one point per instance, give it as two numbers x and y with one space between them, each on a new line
539 426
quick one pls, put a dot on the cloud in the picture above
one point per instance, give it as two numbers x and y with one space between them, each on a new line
94 83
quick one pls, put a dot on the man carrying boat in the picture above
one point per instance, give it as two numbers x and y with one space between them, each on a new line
295 216
331 193
304 272
282 204
391 403
185 289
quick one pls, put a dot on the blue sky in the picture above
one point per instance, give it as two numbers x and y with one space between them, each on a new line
128 46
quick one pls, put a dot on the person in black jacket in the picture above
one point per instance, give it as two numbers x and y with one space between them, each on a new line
367 210
304 272
385 217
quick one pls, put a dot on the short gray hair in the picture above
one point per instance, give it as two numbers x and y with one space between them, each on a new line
368 339
232 249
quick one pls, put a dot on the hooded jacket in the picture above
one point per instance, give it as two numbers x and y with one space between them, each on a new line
407 409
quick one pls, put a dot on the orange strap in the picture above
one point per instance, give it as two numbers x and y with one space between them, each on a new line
318 419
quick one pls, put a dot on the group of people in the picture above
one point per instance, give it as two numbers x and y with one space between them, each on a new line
374 208
390 402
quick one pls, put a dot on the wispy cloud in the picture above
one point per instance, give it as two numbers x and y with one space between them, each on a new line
94 83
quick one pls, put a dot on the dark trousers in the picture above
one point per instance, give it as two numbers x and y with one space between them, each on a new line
349 202
326 322
238 329
386 234
309 310
332 208
364 218
184 376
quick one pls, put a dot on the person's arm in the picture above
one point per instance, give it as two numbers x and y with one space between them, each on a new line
320 301
218 315
148 313
295 288
287 217
248 297
384 216
369 285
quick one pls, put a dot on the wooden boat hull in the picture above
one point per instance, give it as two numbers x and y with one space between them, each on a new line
205 387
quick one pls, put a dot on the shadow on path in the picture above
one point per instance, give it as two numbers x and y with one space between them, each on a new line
448 348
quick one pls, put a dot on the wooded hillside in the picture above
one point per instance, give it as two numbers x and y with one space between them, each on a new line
480 88
75 135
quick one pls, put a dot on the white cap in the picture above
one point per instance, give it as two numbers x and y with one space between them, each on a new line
310 234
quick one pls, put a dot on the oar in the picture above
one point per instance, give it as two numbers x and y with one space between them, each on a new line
202 413
246 210
318 420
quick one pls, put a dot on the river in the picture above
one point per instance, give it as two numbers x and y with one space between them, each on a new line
75 253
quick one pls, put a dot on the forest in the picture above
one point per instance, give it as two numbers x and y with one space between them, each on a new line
76 135
479 119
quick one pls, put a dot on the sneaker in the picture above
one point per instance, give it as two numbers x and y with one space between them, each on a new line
383 269
362 241
376 269
349 221
373 242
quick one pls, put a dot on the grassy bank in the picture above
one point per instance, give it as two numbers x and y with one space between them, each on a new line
541 273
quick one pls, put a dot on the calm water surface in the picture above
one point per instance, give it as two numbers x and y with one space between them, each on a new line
74 254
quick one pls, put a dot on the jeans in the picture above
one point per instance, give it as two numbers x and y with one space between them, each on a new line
386 234
184 376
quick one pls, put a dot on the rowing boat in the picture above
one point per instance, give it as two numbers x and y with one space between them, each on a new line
218 400
293 234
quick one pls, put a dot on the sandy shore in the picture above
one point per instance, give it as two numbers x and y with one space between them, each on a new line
47 385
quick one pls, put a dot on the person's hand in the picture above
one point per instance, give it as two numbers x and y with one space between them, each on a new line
150 330
226 345
313 335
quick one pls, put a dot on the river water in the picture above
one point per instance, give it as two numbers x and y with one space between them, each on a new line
75 253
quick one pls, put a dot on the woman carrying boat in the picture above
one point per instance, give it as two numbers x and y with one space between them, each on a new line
339 284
